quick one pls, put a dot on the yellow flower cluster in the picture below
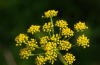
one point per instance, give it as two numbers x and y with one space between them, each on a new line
33 28
55 38
40 60
21 38
50 55
80 26
51 51
69 58
50 48
50 13
61 24
50 44
44 40
48 27
25 53
67 32
32 44
83 41
64 45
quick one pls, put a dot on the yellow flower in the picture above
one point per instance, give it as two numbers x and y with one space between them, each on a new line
50 13
33 28
64 45
51 49
44 40
24 53
67 32
50 46
40 60
48 27
83 41
51 56
80 26
32 44
55 38
69 58
21 38
61 24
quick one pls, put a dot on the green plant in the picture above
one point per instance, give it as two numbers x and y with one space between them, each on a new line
52 44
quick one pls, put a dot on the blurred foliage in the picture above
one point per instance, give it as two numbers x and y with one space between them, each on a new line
16 16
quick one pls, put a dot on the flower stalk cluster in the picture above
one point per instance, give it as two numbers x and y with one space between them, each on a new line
52 44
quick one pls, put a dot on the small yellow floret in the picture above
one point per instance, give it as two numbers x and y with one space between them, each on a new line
67 32
21 38
55 38
80 26
50 13
69 58
83 41
33 28
47 27
64 45
40 60
24 53
61 24
44 40
32 44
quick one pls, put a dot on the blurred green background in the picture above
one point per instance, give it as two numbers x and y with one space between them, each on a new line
16 16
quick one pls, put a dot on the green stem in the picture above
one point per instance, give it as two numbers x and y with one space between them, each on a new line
37 35
61 58
52 24
25 42
49 34
64 38
35 54
39 47
59 32
40 39
74 45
